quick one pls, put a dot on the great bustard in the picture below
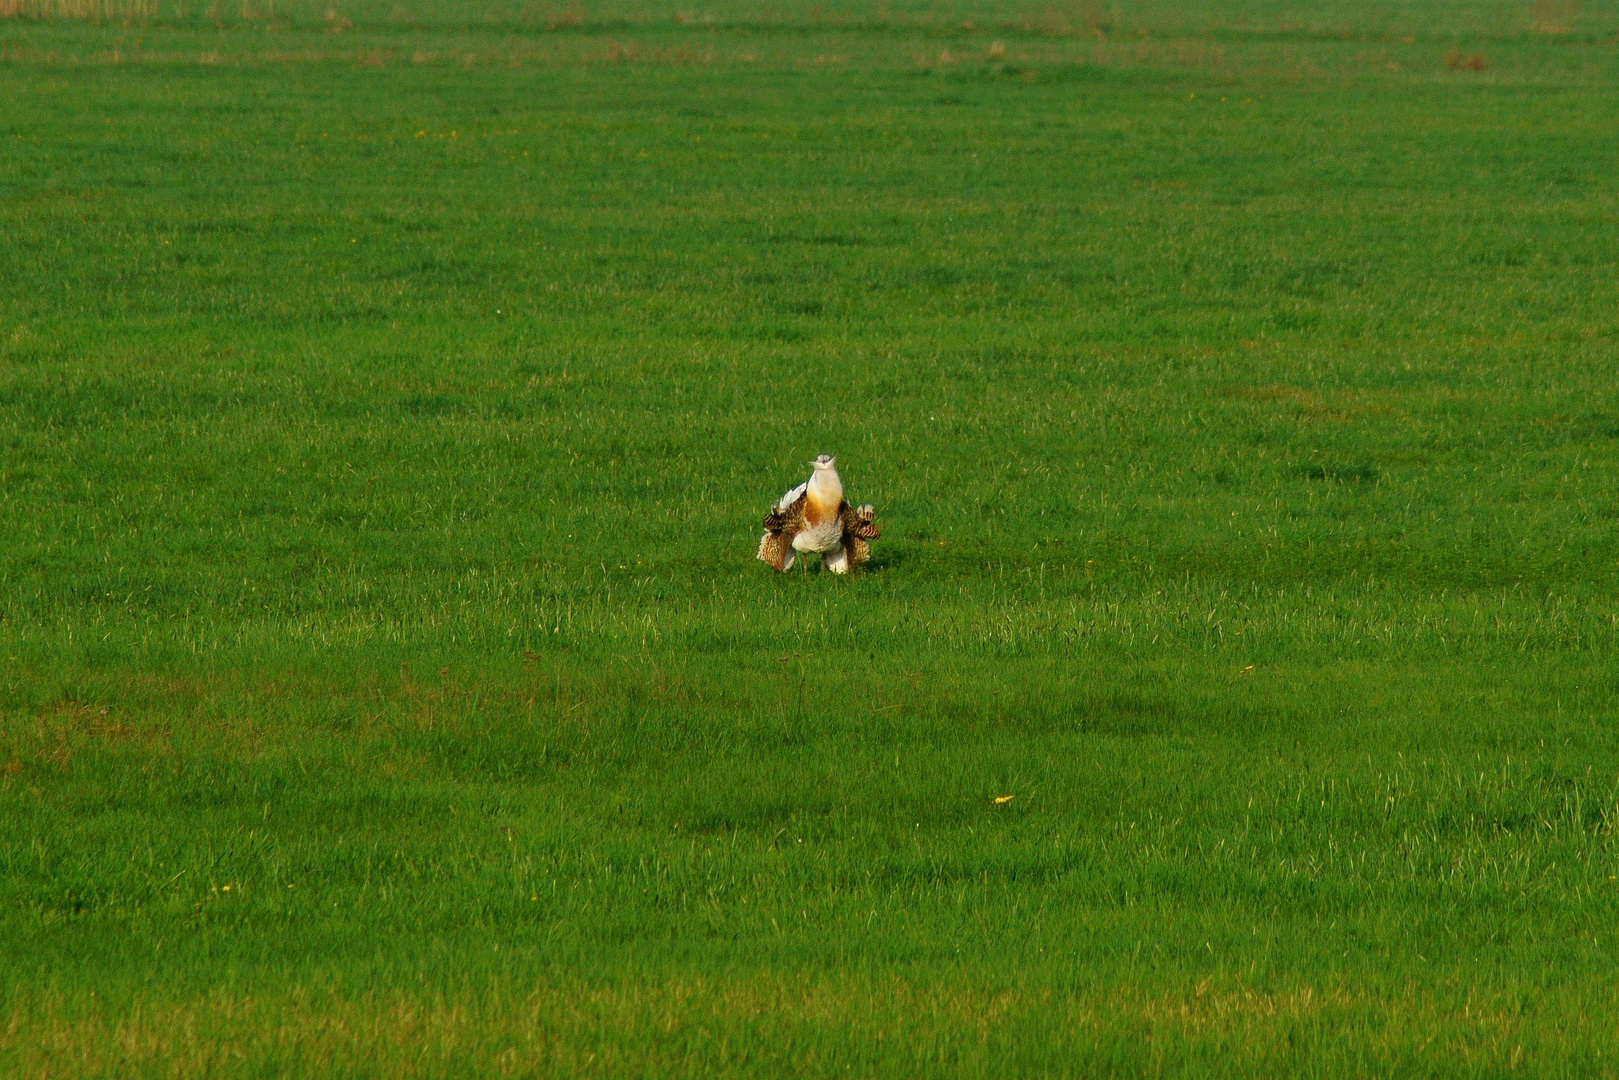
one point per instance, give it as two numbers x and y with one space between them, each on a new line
814 517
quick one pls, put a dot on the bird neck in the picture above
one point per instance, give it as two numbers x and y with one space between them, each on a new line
825 486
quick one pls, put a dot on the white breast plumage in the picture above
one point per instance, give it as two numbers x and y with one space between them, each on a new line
820 538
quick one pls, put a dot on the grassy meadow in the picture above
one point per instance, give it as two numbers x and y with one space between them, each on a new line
389 395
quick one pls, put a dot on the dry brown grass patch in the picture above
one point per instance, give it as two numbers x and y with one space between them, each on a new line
555 18
1554 17
1307 405
1071 18
799 1023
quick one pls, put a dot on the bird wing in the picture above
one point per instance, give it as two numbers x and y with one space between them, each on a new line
855 550
793 496
859 526
785 521
859 523
787 516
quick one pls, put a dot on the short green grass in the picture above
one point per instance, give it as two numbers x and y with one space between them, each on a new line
388 399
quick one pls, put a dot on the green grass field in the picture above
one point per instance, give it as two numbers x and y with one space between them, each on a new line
388 399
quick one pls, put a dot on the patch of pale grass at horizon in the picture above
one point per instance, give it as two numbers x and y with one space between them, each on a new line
80 10
1032 58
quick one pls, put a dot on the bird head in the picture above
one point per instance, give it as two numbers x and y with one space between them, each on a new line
824 462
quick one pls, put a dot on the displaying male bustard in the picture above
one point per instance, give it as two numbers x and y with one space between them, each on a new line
814 517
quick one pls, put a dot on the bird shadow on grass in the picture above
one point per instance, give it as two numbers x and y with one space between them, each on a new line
888 560
877 564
